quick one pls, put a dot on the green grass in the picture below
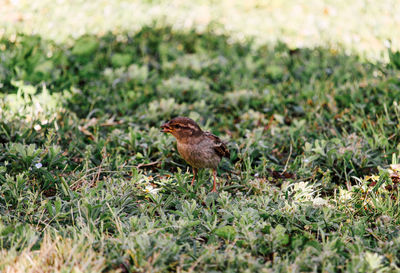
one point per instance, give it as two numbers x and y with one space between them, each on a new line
88 182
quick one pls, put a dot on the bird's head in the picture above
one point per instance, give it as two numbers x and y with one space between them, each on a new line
181 128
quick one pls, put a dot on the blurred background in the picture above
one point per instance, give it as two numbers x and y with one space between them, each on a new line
363 26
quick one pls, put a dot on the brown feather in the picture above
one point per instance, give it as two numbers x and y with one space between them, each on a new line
219 146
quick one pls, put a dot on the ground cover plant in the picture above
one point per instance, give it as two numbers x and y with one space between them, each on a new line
88 183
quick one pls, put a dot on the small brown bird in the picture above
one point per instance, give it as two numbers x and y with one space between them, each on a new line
200 149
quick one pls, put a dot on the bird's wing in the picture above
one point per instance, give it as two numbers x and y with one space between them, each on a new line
219 147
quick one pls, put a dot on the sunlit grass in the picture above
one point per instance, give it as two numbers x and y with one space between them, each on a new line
361 26
54 255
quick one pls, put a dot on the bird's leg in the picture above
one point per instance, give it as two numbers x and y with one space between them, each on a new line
194 175
215 182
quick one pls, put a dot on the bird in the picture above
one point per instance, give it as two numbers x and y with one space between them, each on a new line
200 149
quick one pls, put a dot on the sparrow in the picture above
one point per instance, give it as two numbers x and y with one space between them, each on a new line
198 148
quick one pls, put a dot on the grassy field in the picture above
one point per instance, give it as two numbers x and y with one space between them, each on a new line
88 183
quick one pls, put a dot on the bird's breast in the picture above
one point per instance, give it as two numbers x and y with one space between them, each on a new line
200 155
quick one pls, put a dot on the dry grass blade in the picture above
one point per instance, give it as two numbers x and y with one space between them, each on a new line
56 254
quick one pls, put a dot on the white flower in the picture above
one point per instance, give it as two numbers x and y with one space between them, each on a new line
319 202
374 260
151 190
38 165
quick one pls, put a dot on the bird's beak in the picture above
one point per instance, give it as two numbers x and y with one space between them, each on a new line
166 128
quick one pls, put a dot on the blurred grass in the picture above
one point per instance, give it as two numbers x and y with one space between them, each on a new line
358 26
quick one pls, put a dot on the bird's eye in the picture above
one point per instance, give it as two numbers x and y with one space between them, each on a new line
177 126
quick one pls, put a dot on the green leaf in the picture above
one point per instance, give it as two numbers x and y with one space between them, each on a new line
383 177
395 58
226 232
118 59
280 235
85 46
275 72
45 67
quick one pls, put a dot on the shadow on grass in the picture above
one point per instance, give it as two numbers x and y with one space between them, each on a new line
118 73
325 113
